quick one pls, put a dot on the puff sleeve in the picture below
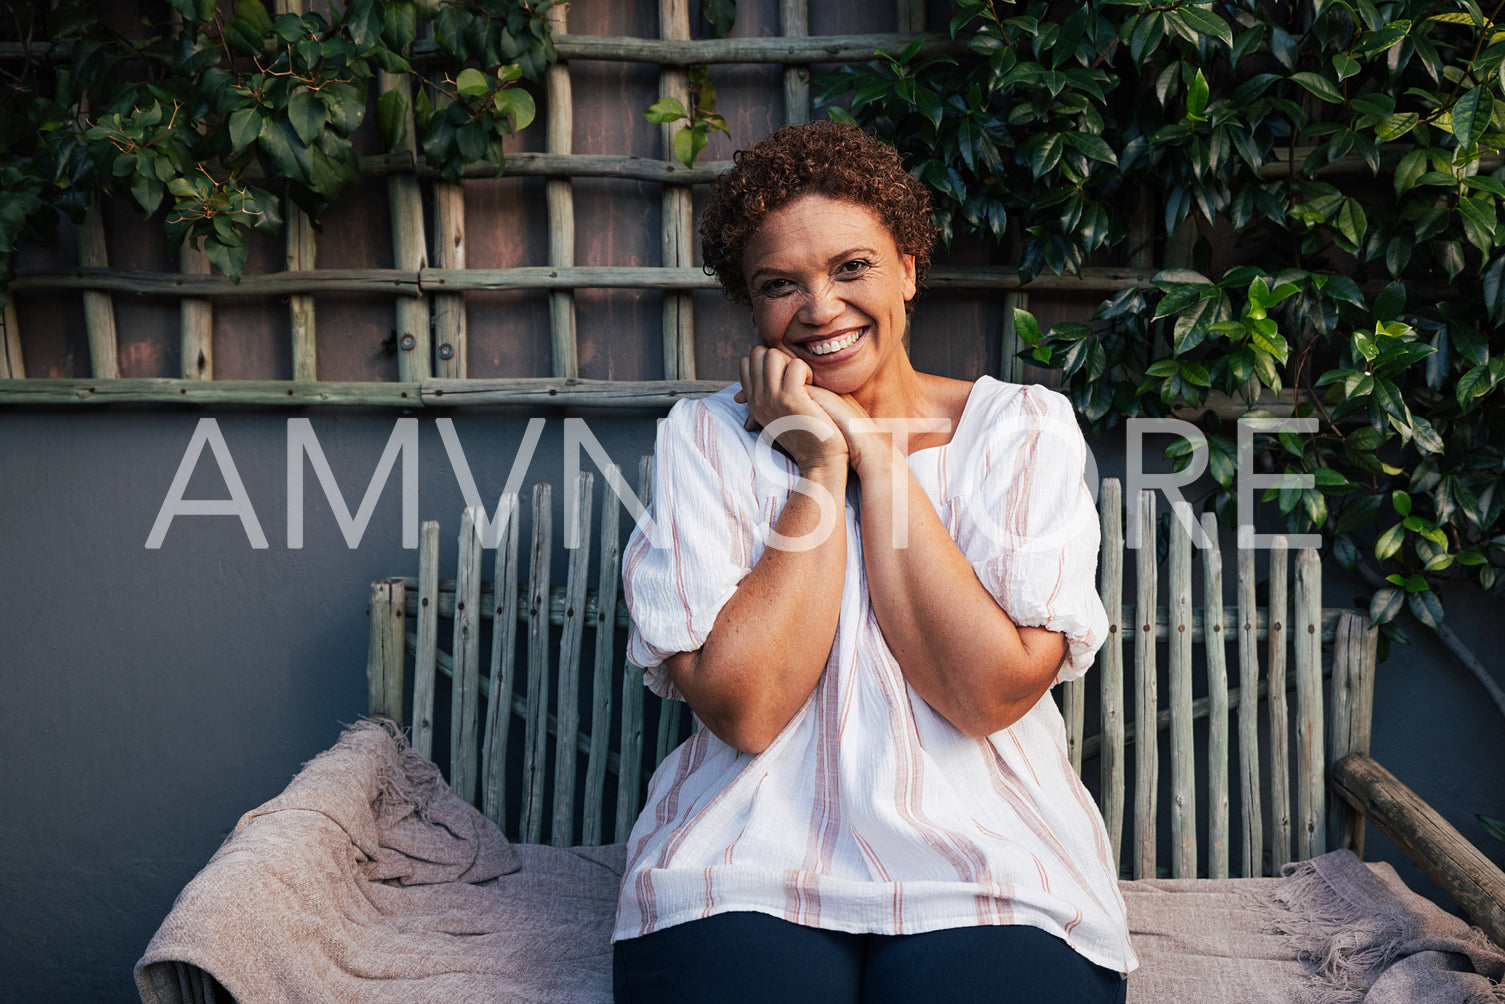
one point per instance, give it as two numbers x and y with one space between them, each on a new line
1029 527
705 536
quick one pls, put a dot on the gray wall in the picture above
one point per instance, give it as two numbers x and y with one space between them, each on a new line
149 697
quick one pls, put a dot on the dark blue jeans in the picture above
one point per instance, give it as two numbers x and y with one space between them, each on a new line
741 958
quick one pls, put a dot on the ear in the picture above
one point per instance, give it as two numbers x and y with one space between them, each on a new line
909 276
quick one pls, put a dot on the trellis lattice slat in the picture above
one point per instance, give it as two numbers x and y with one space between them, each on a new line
559 201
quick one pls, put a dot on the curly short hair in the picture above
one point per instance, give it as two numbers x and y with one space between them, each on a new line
824 158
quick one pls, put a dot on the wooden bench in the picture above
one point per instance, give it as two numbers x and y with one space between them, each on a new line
591 734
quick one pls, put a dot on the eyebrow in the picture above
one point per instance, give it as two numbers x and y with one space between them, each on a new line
840 256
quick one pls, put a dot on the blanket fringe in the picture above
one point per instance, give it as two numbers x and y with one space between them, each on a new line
1347 949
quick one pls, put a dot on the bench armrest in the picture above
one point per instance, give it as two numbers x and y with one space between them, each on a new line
1460 868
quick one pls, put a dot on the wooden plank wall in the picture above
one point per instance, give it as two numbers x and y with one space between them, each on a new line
588 106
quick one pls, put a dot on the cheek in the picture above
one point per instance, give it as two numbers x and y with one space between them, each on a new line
770 320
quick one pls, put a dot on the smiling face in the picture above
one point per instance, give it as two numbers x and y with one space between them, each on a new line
828 285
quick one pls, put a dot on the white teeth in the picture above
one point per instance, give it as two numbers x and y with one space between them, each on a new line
834 345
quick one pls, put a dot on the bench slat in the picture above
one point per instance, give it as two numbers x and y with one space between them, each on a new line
1311 766
465 705
385 652
1183 748
503 671
428 638
1280 727
1146 742
571 637
605 623
535 735
1251 811
1111 665
1213 638
1352 700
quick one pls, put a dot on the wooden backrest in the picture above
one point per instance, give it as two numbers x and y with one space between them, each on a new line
576 773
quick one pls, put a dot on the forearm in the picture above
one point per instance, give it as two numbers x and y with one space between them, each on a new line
769 644
953 642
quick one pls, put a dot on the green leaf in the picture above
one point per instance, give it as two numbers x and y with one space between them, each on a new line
472 83
1400 502
1384 605
523 109
688 143
1206 22
1475 383
1358 513
1389 542
307 115
1427 608
254 14
1425 436
1470 116
666 110
1046 154
392 117
245 126
1094 147
1319 86
1351 223
1026 326
1479 221
1196 98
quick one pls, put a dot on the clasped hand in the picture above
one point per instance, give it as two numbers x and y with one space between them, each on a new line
830 430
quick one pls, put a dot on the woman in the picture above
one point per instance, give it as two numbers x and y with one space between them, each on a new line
879 805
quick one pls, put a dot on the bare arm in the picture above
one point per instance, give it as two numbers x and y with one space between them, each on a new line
954 644
769 644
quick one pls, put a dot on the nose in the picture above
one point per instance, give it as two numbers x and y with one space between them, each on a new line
822 305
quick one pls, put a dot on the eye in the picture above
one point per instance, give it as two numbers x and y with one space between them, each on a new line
775 287
852 268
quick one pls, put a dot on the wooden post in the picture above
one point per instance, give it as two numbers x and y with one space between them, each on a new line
465 702
387 648
609 575
1280 741
677 236
911 16
1111 657
1459 867
1311 767
1353 706
1253 828
99 309
197 318
536 733
794 22
1146 738
560 200
300 257
405 201
1213 637
449 308
12 367
503 663
1183 749
425 656
571 637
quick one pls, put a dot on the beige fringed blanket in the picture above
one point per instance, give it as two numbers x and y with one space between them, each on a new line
368 880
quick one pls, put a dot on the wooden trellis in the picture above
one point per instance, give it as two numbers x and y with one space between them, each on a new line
429 276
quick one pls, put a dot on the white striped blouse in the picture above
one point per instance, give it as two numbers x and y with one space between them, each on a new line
870 812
